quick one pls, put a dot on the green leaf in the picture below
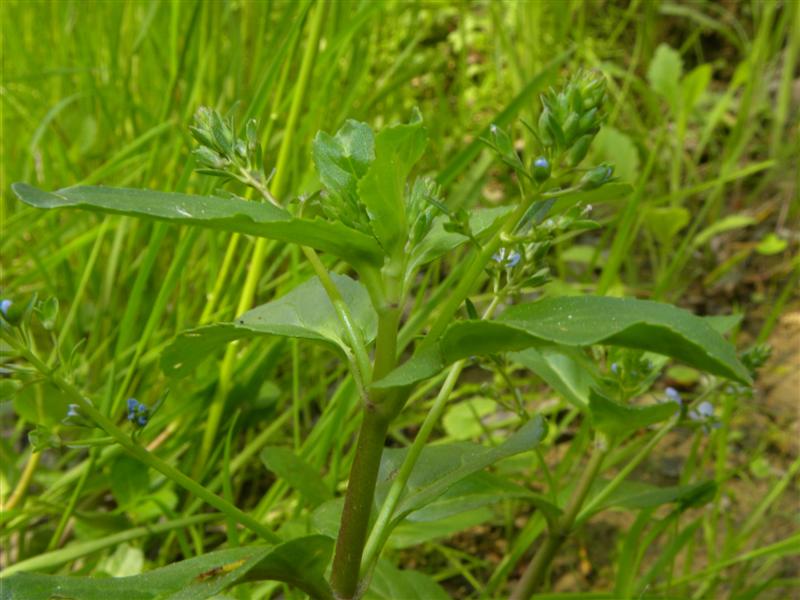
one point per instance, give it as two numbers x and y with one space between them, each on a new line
728 223
441 466
306 313
42 403
382 189
297 473
665 222
610 192
299 562
344 159
636 495
579 321
771 244
664 73
439 241
567 370
129 480
462 420
408 534
231 214
617 420
478 490
694 86
616 148
390 583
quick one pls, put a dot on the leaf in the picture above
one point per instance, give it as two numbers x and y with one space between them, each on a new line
666 222
300 562
617 420
42 403
616 148
636 495
344 159
566 370
439 467
478 490
233 214
462 420
771 244
306 313
390 583
382 189
694 85
664 73
579 321
129 480
438 242
297 473
609 192
728 223
408 534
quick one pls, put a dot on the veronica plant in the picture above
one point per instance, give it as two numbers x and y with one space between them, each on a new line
387 226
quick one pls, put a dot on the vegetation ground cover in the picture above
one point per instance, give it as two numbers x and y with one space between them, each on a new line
700 124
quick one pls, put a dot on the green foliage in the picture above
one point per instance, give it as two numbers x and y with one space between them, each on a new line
617 420
305 313
494 252
297 473
664 73
579 321
299 562
232 215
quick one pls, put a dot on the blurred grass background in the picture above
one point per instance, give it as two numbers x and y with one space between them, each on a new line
102 92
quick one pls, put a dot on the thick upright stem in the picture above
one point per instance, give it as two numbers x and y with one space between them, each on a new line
358 503
378 414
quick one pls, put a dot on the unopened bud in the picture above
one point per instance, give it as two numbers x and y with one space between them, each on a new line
541 169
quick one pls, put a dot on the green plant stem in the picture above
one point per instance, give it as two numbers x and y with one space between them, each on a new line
379 411
536 571
24 481
358 503
474 272
278 190
135 450
382 527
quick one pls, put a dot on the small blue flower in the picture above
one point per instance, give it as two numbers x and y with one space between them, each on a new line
4 306
706 409
615 368
72 411
673 395
138 413
507 258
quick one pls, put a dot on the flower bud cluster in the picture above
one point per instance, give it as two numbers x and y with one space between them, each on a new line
423 205
222 154
571 117
567 126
